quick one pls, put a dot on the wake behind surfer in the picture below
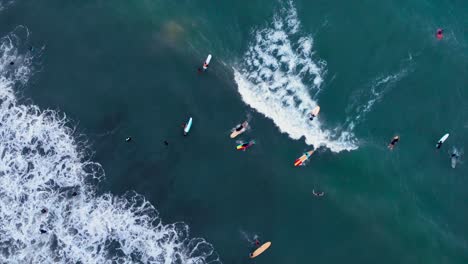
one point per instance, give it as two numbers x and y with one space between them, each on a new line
395 139
318 194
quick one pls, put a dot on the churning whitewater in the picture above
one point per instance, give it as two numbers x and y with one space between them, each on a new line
49 209
276 76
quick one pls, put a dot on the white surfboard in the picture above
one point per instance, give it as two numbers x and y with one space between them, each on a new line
188 126
442 140
207 62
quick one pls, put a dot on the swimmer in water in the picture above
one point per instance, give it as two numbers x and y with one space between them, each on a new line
166 143
393 142
74 194
439 34
44 210
318 194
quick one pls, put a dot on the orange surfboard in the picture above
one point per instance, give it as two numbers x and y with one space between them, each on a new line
260 250
303 158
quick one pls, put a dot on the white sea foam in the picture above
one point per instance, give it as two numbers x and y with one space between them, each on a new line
277 75
378 88
41 165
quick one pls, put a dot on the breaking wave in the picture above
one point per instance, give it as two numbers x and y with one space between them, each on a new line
276 76
49 209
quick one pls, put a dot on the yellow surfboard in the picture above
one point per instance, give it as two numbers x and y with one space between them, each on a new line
260 250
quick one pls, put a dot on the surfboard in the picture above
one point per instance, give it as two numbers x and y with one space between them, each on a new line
442 140
207 62
315 111
188 126
260 250
454 161
236 132
303 158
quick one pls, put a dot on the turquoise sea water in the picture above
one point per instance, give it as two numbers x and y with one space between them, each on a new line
119 69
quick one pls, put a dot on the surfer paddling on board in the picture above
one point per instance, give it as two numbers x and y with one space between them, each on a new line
441 141
439 34
395 139
205 64
314 113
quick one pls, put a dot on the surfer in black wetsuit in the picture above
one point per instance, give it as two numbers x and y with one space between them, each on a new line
393 142
312 116
128 139
44 210
439 144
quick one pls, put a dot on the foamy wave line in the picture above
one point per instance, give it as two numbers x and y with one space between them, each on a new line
274 76
42 166
378 88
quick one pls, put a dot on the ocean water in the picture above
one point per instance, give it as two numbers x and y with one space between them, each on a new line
88 74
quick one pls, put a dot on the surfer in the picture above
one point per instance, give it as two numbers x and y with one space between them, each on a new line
318 194
166 143
11 62
257 243
312 116
42 231
43 210
74 194
439 34
244 146
239 128
128 139
393 142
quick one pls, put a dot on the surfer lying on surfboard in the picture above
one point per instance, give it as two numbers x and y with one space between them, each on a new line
441 141
245 146
395 139
314 113
303 158
206 63
239 129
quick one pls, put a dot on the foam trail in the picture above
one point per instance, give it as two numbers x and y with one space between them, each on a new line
378 88
276 75
41 165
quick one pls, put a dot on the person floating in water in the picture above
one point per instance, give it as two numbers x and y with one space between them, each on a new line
318 194
257 242
74 194
44 210
395 139
166 143
12 62
128 139
439 34
42 231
